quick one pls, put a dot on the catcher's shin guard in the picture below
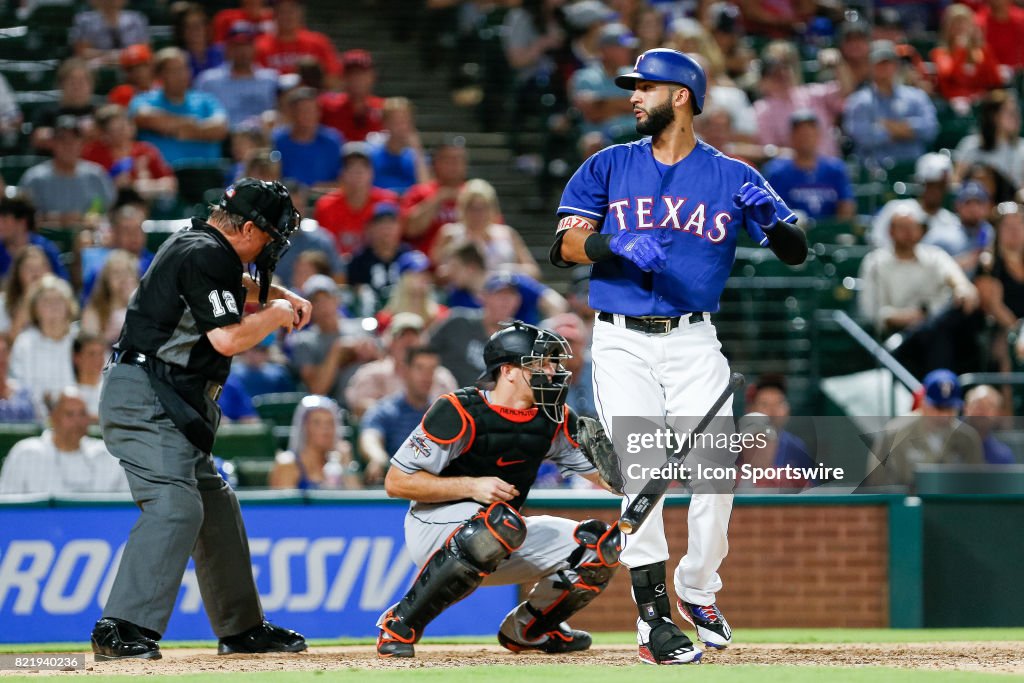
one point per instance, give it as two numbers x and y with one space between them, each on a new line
538 623
473 551
659 639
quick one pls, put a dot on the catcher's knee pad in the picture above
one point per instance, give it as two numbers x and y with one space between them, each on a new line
454 571
490 536
592 565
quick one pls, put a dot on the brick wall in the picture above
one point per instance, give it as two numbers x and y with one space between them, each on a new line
788 566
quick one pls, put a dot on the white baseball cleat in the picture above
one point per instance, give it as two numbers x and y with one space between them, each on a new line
712 628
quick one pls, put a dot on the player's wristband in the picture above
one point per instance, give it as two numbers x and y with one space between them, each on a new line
597 247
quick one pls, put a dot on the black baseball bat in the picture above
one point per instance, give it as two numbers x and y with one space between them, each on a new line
654 489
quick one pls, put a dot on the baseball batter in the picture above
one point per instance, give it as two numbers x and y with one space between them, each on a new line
659 219
467 469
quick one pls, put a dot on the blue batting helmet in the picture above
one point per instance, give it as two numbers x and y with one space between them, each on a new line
668 66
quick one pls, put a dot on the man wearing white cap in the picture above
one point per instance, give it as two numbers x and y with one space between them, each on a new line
932 172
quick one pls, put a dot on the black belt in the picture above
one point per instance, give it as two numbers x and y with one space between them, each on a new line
651 324
139 360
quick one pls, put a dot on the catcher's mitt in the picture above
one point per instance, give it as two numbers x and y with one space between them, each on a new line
598 449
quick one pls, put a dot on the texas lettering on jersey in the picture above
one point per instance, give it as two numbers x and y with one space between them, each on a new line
688 207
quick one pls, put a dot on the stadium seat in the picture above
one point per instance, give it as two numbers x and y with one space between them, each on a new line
253 473
13 432
63 238
31 102
245 440
14 166
278 409
32 75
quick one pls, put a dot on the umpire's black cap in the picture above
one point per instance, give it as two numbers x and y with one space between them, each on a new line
267 204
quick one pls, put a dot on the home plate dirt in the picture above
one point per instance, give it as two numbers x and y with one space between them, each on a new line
995 657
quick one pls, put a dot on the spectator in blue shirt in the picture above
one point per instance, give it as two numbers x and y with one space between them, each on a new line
243 89
387 424
373 270
768 397
397 157
18 229
259 374
816 184
310 152
887 120
983 408
183 123
236 403
604 106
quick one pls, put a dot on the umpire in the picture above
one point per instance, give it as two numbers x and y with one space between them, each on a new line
159 415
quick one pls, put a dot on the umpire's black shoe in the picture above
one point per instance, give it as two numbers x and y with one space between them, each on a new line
119 639
562 639
263 638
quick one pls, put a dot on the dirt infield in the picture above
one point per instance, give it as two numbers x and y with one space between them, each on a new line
994 657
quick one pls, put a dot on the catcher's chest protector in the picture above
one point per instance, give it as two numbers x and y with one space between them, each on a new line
508 444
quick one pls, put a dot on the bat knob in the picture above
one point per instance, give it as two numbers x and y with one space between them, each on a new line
737 380
626 527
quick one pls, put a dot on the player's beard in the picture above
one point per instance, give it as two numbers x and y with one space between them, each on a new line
658 119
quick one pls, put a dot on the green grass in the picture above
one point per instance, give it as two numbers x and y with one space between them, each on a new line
592 674
763 635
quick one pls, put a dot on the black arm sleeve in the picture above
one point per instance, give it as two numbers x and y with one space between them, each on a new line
788 242
555 255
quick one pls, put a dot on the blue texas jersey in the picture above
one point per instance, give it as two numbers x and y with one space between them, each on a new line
687 206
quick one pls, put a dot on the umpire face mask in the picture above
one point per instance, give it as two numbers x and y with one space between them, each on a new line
269 206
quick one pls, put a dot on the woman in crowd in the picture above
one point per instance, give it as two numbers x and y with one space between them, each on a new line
105 311
998 142
30 265
1000 279
317 456
41 355
964 65
478 212
192 34
413 293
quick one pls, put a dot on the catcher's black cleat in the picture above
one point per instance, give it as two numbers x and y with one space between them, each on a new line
263 638
395 638
119 639
562 639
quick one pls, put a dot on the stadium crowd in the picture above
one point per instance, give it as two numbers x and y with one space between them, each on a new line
895 125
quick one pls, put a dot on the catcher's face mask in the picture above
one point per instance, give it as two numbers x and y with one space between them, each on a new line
549 379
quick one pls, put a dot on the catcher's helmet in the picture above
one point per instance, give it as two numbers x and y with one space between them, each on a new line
668 66
531 347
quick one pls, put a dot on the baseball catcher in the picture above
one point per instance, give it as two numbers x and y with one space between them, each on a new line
467 469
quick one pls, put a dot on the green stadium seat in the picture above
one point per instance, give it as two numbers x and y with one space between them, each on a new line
835 232
157 231
13 432
253 473
64 238
254 441
21 43
278 409
33 101
14 166
107 78
34 75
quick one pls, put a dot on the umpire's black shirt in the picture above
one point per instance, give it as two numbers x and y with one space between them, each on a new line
194 285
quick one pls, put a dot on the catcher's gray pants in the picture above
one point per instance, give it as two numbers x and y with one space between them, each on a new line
544 553
187 510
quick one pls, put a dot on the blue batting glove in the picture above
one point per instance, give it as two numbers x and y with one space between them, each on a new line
757 205
641 249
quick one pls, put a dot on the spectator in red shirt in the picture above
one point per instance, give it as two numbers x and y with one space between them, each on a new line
292 41
1002 22
252 12
130 163
356 111
346 211
428 206
137 66
964 65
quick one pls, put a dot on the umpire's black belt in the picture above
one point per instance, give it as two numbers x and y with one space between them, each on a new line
139 360
650 324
